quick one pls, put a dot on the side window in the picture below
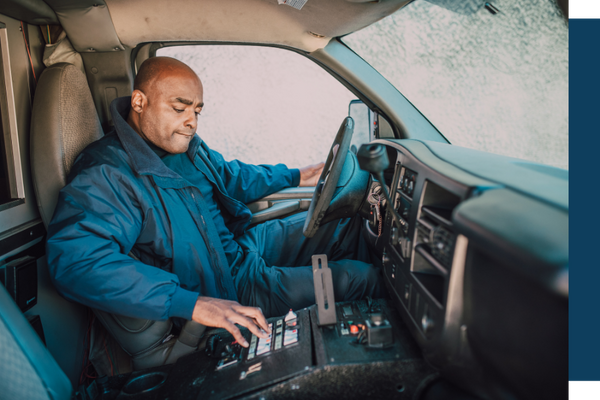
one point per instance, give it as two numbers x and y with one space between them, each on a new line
265 105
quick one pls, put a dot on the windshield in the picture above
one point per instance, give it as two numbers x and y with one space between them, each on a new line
490 77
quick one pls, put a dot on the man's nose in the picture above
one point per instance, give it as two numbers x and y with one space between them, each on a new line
192 121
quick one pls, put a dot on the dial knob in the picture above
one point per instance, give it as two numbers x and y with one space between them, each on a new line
427 324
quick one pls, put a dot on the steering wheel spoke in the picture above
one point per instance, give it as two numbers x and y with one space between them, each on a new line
336 165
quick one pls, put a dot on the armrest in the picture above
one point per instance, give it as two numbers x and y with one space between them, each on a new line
291 193
277 210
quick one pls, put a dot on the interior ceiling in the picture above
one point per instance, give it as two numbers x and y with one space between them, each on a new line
261 21
107 25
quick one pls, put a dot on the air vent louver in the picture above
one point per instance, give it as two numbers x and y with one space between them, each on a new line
442 245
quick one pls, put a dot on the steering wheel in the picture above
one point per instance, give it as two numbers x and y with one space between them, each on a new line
329 178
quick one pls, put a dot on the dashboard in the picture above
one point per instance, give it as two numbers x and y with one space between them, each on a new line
478 266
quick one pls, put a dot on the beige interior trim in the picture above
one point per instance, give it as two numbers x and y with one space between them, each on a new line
88 24
11 134
256 21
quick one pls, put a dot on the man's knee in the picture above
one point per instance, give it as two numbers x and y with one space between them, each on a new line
354 280
275 289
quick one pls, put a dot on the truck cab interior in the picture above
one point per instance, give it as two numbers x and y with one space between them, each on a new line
472 246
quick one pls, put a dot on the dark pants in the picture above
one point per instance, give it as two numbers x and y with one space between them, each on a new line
276 274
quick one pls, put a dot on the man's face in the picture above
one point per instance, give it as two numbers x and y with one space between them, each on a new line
169 116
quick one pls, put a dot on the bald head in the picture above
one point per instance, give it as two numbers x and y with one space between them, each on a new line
165 103
158 68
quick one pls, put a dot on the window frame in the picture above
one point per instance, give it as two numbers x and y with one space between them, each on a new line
146 50
9 129
151 49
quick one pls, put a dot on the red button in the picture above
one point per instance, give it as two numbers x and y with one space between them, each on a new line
353 329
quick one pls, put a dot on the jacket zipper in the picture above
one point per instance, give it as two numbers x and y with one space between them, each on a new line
217 186
211 249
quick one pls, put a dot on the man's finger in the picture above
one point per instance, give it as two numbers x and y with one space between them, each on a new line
262 321
237 335
256 314
248 323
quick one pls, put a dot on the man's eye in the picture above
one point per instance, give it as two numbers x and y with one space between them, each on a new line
178 110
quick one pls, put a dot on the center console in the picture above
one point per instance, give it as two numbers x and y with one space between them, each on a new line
367 353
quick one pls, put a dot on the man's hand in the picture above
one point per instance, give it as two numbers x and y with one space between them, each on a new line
309 176
220 313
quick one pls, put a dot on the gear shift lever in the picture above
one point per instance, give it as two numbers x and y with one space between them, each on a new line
373 158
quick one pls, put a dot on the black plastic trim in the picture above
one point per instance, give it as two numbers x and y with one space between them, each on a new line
21 235
11 204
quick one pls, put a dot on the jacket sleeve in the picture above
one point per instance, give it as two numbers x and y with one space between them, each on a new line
248 183
96 223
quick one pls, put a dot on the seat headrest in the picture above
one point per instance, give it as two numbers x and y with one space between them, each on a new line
63 122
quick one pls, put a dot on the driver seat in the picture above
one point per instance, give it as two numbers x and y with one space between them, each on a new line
63 122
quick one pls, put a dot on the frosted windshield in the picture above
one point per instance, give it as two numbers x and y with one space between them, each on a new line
492 82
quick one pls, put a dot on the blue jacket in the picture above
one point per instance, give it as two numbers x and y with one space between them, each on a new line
122 198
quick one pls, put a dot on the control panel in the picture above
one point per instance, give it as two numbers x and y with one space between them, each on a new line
284 353
407 182
366 344
418 260
285 332
399 233
365 322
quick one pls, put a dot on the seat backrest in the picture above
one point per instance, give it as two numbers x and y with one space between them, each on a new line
63 122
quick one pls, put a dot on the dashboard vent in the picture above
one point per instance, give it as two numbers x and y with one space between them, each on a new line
442 245
436 224
435 230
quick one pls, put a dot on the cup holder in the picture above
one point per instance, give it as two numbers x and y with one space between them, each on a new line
145 383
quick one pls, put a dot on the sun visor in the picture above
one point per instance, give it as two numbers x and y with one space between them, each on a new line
88 25
34 12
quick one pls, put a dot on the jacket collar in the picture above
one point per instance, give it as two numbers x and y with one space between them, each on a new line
144 160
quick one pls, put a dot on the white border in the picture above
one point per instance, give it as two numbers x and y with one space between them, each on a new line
584 9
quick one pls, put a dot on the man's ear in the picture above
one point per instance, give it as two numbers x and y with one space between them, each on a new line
139 101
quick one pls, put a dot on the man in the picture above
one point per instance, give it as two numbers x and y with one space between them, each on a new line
152 223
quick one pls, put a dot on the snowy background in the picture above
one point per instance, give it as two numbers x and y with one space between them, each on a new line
497 83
